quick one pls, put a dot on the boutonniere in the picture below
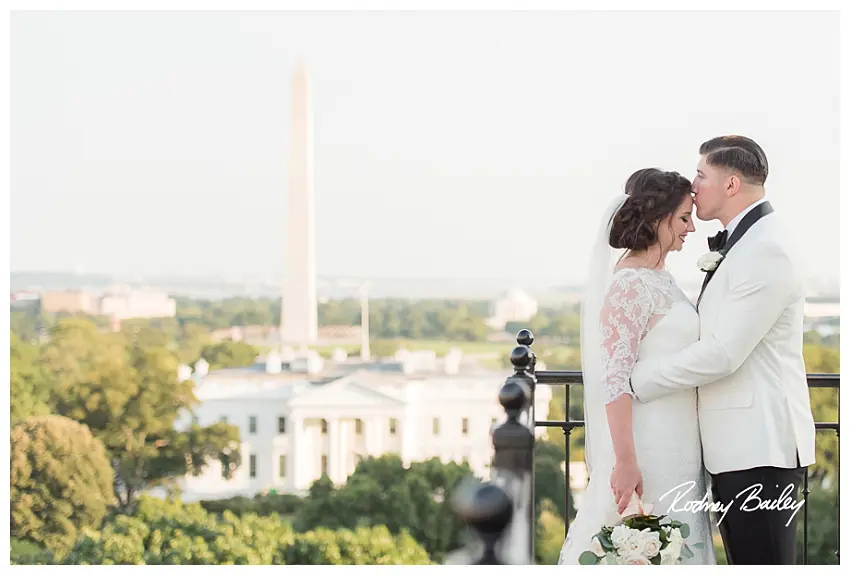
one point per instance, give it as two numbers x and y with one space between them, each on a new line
709 262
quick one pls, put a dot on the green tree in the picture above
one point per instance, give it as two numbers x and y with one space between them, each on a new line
172 533
549 480
23 552
383 347
217 314
382 492
821 359
263 505
229 354
823 508
320 507
191 341
550 534
561 324
565 326
362 546
61 481
388 318
131 400
27 387
151 332
339 312
26 324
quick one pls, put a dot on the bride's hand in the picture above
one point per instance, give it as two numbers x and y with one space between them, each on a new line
625 480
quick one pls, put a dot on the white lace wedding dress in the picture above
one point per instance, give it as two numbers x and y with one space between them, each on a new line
646 315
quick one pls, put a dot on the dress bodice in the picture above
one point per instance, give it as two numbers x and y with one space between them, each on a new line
645 314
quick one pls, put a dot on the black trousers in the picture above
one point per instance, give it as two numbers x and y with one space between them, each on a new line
760 524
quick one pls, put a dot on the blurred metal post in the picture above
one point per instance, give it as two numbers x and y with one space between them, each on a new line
487 509
513 460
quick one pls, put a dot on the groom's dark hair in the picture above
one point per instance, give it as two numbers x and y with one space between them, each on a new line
737 153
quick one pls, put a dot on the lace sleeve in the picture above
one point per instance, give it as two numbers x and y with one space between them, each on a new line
623 320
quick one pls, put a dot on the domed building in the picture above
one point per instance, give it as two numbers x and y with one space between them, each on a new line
513 305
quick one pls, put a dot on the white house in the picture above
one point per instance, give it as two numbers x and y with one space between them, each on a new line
296 426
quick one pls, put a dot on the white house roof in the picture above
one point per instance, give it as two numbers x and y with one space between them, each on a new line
343 392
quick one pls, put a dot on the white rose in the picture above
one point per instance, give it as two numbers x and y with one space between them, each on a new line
620 560
633 544
668 557
636 560
650 545
709 262
619 535
596 547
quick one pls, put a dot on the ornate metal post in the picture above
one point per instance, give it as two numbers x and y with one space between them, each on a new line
513 461
487 509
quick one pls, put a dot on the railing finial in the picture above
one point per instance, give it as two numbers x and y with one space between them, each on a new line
487 509
525 337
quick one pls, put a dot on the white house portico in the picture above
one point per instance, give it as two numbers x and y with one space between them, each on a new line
295 426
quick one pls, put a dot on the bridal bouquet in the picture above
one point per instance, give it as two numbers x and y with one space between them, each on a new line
640 539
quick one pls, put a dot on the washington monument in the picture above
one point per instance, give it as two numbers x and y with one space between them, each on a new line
299 319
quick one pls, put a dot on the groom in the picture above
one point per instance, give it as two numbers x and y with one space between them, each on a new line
758 435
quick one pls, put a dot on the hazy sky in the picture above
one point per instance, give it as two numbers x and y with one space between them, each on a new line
466 144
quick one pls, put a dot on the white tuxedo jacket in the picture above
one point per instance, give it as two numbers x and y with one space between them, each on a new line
753 398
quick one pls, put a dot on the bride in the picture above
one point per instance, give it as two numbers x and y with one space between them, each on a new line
632 310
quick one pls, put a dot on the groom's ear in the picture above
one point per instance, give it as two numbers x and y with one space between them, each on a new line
733 185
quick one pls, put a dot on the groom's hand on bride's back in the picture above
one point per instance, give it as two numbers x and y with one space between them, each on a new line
632 386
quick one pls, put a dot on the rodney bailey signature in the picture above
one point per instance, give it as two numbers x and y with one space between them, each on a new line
752 502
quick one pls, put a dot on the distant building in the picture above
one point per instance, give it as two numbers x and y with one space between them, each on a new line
24 301
117 302
70 302
296 426
513 305
126 304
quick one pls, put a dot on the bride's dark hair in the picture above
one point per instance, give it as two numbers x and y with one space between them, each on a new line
653 195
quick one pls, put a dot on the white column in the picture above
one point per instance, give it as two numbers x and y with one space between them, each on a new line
407 434
295 449
345 434
371 432
379 429
334 459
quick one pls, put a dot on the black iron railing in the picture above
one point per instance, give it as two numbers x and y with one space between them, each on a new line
513 463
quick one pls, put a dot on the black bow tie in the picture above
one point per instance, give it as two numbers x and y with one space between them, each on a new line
717 241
